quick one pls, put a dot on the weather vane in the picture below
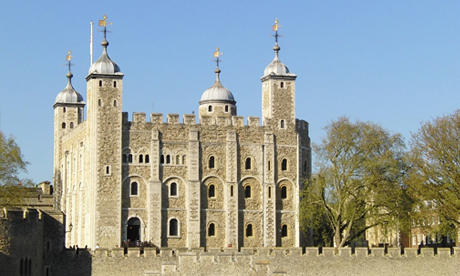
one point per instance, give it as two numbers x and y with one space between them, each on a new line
68 58
217 54
275 29
104 23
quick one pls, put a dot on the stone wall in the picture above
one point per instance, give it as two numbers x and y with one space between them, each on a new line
260 261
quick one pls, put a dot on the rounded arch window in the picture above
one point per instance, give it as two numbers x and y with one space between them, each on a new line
173 189
247 191
211 162
212 191
248 163
249 230
284 230
210 108
134 189
173 227
284 164
63 125
283 192
211 230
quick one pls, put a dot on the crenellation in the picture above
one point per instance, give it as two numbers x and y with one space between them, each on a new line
138 117
173 119
156 118
189 119
253 121
238 121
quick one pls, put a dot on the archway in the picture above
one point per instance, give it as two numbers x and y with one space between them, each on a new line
133 230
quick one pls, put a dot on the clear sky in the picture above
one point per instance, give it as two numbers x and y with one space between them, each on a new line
396 63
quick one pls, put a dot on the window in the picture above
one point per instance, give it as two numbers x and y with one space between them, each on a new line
226 108
130 158
168 159
147 159
173 189
173 227
134 189
211 230
71 124
282 84
249 230
284 230
177 159
247 191
211 191
162 159
183 159
269 192
115 103
231 191
107 170
282 124
248 163
124 158
63 125
141 158
100 83
211 162
64 109
114 84
210 108
99 102
269 166
283 192
284 164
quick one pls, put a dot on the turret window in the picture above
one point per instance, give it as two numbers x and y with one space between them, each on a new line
226 108
249 230
147 159
99 102
282 124
211 162
64 110
141 158
173 228
134 189
248 164
114 84
212 191
100 83
130 158
269 192
282 84
115 103
210 108
284 230
283 192
284 164
247 191
211 230
71 124
173 189
124 158
63 125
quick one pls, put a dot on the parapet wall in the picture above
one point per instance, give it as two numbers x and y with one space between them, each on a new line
261 261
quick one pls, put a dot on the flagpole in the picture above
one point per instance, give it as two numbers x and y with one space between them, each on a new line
91 44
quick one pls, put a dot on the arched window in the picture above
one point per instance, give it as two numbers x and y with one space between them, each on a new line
114 84
99 102
71 124
162 159
100 83
173 189
211 191
210 108
115 103
284 230
283 192
211 162
183 159
177 159
249 230
282 124
173 227
211 230
134 189
63 125
282 84
124 158
226 108
141 158
130 158
247 191
168 159
64 109
284 164
147 159
248 163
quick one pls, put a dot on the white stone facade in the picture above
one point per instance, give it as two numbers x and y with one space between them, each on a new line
216 183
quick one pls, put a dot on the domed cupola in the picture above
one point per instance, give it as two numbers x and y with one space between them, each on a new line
217 100
69 95
104 65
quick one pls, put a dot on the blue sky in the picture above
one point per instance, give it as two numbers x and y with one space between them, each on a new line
395 63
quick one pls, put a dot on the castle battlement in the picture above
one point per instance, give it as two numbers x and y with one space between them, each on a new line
190 119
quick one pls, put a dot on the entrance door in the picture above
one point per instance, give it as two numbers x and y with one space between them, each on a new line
133 231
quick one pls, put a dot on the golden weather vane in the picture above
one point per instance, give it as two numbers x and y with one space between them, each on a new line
104 23
68 58
217 54
276 26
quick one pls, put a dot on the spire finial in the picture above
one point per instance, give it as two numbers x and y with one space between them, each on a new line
217 54
104 23
275 29
68 58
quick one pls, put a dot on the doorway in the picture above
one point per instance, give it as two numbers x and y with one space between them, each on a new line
133 230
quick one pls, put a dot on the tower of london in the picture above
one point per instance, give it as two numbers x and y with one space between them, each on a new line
205 180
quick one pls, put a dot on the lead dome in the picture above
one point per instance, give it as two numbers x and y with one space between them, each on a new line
69 94
217 92
104 65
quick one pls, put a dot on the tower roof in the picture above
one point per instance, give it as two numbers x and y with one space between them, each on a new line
276 67
104 65
217 92
69 95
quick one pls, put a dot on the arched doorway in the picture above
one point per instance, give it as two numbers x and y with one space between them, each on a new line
133 231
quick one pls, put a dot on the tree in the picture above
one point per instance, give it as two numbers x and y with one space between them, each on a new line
434 177
359 186
11 164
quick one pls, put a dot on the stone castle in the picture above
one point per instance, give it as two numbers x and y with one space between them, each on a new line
217 182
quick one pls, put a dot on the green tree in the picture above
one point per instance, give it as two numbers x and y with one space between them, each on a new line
11 164
358 186
434 178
